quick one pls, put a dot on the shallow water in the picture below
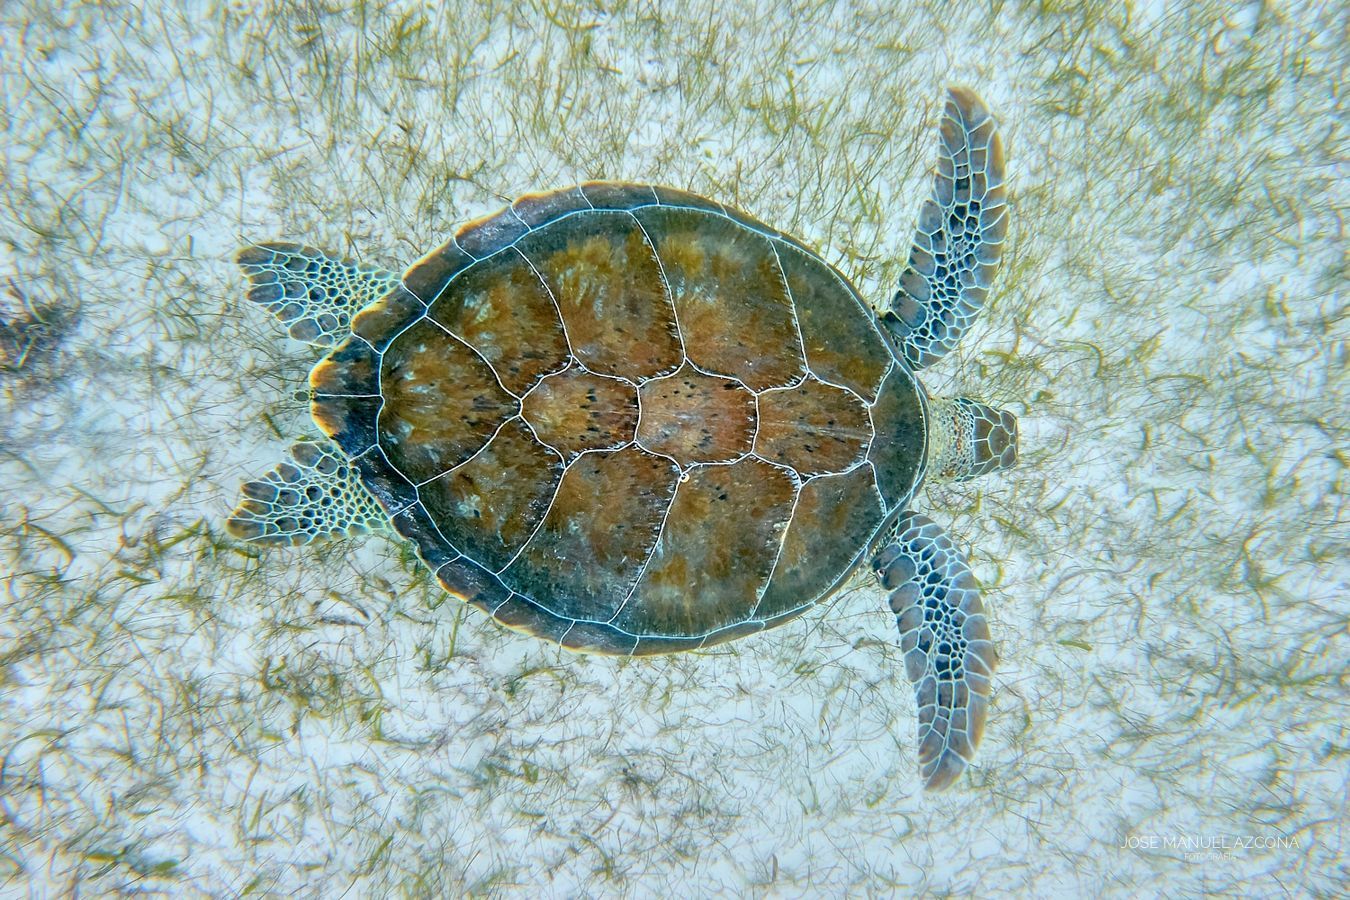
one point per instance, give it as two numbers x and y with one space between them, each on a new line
1166 572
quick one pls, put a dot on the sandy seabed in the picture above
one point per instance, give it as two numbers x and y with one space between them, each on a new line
1166 573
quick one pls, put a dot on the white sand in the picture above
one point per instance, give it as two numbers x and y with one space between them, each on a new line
1166 573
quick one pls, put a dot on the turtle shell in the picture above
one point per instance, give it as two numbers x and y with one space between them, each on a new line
628 419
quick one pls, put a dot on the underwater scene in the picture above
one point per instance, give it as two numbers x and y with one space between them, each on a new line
642 538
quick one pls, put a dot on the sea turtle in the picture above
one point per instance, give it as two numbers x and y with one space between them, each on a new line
631 420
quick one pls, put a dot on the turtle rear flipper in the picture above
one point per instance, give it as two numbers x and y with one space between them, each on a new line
317 495
314 294
959 238
948 655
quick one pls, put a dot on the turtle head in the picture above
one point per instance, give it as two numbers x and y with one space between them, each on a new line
967 439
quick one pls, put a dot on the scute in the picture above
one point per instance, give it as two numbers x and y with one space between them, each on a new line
600 526
627 419
842 346
814 428
729 294
577 410
442 402
694 417
502 310
898 450
606 280
716 550
489 505
835 516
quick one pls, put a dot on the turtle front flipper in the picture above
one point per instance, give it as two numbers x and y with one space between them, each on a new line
959 238
314 294
317 495
948 655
